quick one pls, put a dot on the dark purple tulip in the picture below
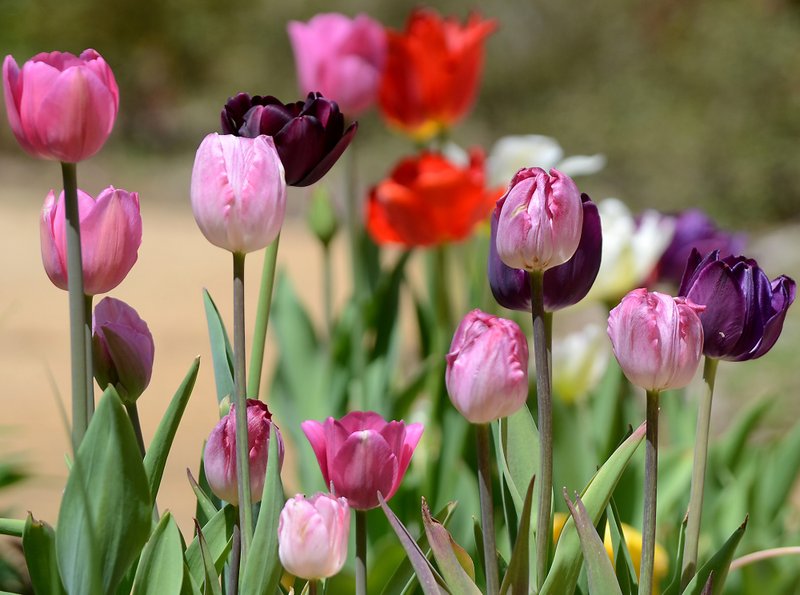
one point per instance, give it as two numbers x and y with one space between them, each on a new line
310 136
693 229
744 311
564 285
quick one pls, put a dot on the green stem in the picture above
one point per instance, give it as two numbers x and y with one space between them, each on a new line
699 472
12 527
236 554
77 314
361 552
487 509
327 289
242 439
312 587
262 319
133 414
650 491
87 336
541 350
440 286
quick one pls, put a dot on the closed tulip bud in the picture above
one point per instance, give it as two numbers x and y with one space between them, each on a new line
111 233
313 534
122 349
363 454
487 368
540 222
219 457
340 57
744 310
238 192
61 106
657 339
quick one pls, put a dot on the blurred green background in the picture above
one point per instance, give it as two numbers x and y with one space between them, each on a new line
693 103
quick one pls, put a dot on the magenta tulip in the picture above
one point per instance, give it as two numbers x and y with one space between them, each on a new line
122 349
362 454
219 457
61 106
313 534
111 233
487 368
541 219
238 191
657 339
340 57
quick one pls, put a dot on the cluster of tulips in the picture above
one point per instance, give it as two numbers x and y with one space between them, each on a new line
549 247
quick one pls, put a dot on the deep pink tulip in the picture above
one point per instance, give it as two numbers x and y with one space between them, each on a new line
122 349
657 339
238 191
313 534
61 106
111 233
363 454
487 368
340 57
541 219
219 457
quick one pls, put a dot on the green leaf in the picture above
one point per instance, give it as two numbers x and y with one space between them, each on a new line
718 565
221 351
782 468
626 571
519 440
204 503
158 451
106 512
674 587
444 550
731 446
262 570
160 570
211 584
39 545
517 575
563 575
599 571
218 533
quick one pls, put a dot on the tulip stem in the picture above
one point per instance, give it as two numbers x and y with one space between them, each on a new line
312 587
650 491
77 313
541 350
361 552
242 439
699 472
87 312
12 527
487 509
133 415
262 318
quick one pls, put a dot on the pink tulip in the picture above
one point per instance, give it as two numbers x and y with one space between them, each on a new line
238 191
61 106
111 233
657 339
487 368
541 219
122 349
219 457
341 58
313 534
362 454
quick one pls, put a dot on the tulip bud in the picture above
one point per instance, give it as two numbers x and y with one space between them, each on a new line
238 192
362 454
487 368
219 457
657 339
122 349
61 106
313 534
541 218
111 233
744 310
321 217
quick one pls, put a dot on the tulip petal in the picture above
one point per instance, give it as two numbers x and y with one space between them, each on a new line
327 161
364 466
316 435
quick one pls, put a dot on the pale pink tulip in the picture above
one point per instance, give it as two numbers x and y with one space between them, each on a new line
657 339
61 106
238 191
219 457
313 534
111 233
340 57
541 219
363 454
487 368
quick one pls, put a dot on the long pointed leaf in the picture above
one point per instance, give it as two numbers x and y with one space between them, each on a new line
160 570
442 545
221 351
211 584
518 573
39 545
217 533
718 565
